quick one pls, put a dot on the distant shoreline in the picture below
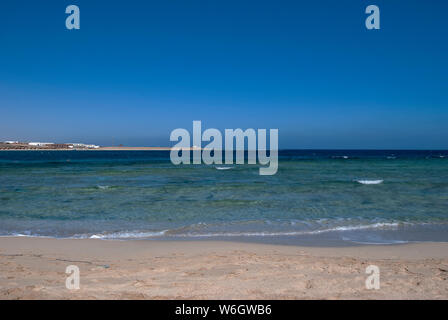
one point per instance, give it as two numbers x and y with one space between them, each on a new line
169 149
98 149
133 148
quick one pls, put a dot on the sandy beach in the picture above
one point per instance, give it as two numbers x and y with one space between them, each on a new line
34 268
133 149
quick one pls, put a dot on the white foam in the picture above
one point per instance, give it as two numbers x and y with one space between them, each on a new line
385 242
128 235
169 233
23 235
292 233
369 181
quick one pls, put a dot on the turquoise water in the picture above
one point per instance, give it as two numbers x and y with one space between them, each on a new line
332 196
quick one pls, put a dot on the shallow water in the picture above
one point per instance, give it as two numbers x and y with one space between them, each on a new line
333 196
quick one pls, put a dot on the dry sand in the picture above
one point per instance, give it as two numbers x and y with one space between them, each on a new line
34 268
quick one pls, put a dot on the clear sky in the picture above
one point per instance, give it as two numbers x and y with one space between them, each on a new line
136 70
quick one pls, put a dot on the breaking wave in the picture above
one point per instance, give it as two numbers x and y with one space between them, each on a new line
369 181
184 232
128 235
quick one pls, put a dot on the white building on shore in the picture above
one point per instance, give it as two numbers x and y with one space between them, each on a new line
40 144
83 145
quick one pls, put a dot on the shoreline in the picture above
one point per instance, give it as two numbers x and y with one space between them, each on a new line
286 241
98 149
34 268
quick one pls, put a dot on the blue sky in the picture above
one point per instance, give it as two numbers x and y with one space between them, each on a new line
136 70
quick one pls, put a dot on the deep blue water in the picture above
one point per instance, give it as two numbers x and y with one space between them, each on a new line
335 196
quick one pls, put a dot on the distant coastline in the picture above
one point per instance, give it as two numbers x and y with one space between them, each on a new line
99 149
133 148
71 147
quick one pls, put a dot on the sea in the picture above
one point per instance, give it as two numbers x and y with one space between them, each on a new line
317 197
